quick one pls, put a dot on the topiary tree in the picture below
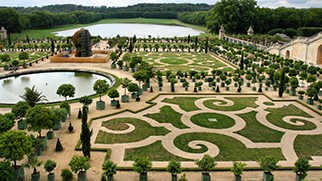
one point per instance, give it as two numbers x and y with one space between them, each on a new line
109 168
113 94
66 90
23 56
49 166
174 167
38 118
66 174
114 56
85 100
79 164
33 163
133 87
59 147
302 166
5 58
268 164
100 87
125 82
238 168
14 145
142 165
207 163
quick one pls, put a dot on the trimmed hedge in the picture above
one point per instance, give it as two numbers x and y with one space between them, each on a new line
308 31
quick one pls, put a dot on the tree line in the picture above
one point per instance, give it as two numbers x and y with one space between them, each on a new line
236 16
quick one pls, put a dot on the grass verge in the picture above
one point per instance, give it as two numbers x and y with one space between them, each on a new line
239 103
213 120
185 103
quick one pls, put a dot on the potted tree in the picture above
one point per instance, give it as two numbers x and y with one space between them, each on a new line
80 164
64 104
38 118
33 163
114 94
140 76
268 164
294 84
120 64
66 174
86 101
109 169
142 165
302 166
174 168
125 84
60 114
100 87
310 92
319 106
301 94
186 85
227 82
14 146
206 163
66 90
5 58
160 83
213 84
236 79
113 57
49 166
237 169
20 110
268 84
133 87
23 56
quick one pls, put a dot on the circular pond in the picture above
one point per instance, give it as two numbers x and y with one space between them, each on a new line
47 82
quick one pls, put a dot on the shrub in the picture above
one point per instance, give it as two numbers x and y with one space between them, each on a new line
59 147
66 174
290 32
50 165
276 30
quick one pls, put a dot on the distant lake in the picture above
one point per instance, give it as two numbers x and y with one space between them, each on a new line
131 29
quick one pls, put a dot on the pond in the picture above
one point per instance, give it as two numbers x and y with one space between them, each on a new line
48 83
131 29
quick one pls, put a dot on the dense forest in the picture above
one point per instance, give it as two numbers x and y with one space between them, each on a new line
235 15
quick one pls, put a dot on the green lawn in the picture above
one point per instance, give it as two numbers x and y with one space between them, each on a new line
257 132
230 148
308 145
185 103
15 56
239 103
150 151
206 120
173 61
168 115
142 131
276 114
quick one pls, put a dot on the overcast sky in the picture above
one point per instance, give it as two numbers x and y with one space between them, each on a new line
117 3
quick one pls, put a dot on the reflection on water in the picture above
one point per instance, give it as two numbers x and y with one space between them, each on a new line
131 29
25 79
48 83
6 81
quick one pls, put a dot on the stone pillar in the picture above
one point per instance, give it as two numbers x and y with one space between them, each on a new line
222 32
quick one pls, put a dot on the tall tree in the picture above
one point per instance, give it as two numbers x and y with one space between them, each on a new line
52 46
86 135
32 96
11 20
66 90
282 84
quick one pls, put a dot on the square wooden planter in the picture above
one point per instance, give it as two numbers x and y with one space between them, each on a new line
50 135
17 172
21 125
205 177
100 105
143 176
82 176
268 176
51 176
125 98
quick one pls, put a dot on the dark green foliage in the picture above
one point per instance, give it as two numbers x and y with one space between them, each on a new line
282 84
302 166
85 100
59 147
290 32
242 62
274 31
32 96
66 90
206 163
66 174
174 167
217 89
109 168
70 127
142 164
103 178
6 122
85 135
308 31
79 113
5 171
269 163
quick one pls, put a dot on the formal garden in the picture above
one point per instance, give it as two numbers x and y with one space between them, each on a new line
213 104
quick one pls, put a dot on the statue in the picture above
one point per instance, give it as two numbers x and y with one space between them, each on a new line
83 43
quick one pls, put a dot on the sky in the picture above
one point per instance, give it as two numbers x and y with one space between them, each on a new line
118 3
